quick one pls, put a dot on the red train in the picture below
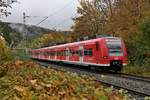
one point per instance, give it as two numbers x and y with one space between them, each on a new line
107 52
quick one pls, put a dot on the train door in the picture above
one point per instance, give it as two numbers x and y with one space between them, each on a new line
67 54
49 54
55 54
81 54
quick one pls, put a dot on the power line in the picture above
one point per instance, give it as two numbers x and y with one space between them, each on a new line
52 14
65 20
41 21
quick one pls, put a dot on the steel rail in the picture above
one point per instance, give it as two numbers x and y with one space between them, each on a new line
135 77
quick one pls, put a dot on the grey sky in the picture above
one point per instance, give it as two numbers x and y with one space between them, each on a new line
60 12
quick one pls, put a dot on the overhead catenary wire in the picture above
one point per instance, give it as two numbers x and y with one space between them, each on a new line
54 13
65 20
41 21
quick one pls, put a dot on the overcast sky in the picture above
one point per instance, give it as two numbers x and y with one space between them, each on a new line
60 12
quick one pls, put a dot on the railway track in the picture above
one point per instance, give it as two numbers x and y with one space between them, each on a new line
139 86
134 77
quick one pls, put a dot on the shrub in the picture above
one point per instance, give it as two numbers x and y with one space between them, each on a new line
4 52
138 48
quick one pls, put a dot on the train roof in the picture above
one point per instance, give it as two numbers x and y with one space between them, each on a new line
76 43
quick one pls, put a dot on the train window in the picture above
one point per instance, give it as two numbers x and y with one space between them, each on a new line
85 52
63 52
115 48
29 52
40 53
59 53
49 53
71 53
77 53
67 53
90 52
44 53
53 53
97 46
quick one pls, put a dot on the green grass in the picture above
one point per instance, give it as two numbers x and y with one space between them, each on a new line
137 70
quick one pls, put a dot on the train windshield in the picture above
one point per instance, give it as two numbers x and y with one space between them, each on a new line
115 48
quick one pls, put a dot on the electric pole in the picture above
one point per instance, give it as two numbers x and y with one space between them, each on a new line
25 33
24 27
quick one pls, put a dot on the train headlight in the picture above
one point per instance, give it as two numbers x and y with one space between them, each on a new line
105 57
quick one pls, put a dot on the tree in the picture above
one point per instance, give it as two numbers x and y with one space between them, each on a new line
110 16
4 28
90 20
4 5
145 35
4 51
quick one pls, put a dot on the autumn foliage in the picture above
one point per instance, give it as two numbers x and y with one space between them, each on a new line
29 81
4 51
110 16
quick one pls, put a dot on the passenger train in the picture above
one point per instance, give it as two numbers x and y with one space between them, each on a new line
105 52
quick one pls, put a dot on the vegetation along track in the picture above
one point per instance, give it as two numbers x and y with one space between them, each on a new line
135 85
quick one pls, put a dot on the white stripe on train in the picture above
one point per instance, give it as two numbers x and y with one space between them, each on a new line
77 62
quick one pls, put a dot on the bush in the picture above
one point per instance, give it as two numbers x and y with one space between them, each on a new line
4 52
144 42
138 48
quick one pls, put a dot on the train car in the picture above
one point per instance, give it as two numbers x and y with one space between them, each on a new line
107 52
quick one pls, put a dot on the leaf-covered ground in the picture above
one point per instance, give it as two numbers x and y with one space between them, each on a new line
28 81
